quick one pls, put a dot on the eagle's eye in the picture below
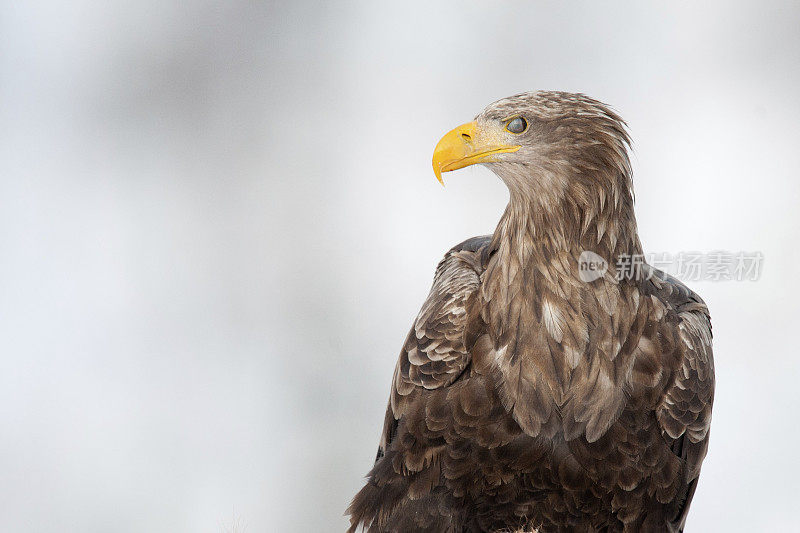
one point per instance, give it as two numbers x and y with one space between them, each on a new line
517 125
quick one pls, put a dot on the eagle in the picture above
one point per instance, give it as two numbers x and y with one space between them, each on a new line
539 390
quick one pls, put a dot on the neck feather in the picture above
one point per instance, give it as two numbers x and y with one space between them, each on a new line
562 222
542 318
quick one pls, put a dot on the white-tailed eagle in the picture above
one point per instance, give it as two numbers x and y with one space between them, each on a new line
528 395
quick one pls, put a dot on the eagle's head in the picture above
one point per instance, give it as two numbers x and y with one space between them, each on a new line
554 150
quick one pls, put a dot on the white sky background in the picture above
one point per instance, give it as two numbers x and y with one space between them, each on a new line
217 224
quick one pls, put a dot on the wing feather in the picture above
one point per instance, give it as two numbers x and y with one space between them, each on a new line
685 408
435 353
684 411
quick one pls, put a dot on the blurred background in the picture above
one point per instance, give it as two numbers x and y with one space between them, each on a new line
218 221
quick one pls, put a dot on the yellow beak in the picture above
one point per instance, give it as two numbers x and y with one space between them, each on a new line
467 145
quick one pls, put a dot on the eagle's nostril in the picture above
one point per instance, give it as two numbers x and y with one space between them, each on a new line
466 137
